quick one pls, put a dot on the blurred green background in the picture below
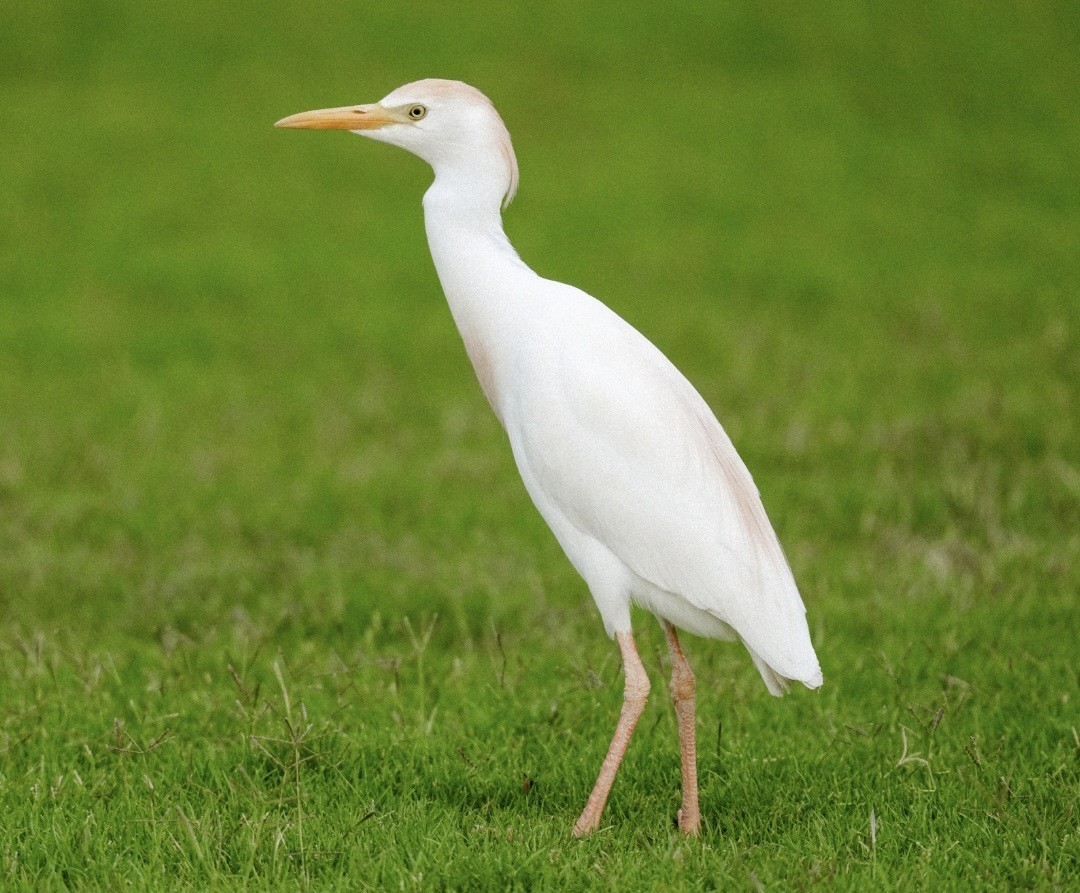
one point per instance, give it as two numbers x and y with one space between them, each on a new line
238 429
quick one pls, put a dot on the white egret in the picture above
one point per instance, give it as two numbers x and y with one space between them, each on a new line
623 458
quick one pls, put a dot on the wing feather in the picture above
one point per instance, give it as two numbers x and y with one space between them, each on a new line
649 471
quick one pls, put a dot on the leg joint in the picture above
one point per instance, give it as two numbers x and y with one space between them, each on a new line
637 689
683 684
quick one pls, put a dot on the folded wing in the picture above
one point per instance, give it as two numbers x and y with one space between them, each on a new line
649 472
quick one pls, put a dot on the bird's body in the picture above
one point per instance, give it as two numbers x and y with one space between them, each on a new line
621 455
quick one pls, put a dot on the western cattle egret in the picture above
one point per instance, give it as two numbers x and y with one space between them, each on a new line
623 458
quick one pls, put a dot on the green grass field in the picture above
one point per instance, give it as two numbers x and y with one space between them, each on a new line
276 610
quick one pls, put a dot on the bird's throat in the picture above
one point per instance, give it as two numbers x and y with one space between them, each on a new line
483 280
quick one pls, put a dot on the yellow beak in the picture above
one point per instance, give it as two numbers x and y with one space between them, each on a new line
348 117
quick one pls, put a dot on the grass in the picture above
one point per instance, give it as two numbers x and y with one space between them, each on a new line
277 613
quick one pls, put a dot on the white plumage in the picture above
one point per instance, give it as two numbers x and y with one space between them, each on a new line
621 455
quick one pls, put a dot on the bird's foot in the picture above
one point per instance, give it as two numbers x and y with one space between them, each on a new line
587 823
690 822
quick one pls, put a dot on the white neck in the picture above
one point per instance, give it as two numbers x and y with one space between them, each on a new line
478 269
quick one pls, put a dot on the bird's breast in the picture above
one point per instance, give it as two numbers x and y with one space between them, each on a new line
484 367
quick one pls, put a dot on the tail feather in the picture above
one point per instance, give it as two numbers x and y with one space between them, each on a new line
776 684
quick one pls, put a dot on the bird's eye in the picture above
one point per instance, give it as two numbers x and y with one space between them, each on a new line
417 112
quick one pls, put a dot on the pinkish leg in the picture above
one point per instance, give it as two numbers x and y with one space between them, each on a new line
682 693
635 694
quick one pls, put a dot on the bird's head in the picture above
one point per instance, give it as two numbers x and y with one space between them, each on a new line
452 126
